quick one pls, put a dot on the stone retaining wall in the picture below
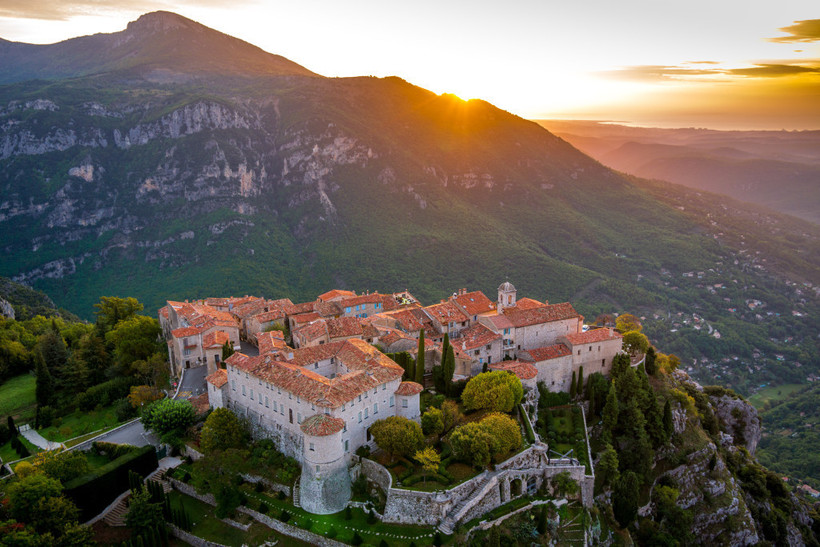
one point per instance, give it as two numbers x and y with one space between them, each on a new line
292 531
275 486
191 539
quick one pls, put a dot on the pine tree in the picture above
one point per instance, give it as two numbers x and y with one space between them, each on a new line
444 347
573 386
419 374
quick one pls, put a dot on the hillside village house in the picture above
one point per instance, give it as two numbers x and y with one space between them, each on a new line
318 397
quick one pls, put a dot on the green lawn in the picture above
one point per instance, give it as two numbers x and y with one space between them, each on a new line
207 526
774 394
393 534
7 453
80 423
17 398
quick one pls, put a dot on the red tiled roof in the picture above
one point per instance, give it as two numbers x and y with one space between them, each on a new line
546 353
335 293
270 341
545 314
163 311
409 388
343 327
267 316
528 304
446 312
474 303
474 337
524 371
201 403
311 331
593 336
182 332
328 309
406 320
215 339
371 298
218 378
305 317
304 307
500 322
320 425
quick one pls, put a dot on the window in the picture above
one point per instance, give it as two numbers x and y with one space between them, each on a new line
404 403
345 428
360 416
260 399
317 468
366 412
480 359
489 347
243 391
392 401
251 394
290 415
590 348
343 407
260 381
384 386
375 408
360 398
477 352
506 331
579 352
347 309
311 448
233 385
599 348
347 445
298 417
603 361
266 402
315 365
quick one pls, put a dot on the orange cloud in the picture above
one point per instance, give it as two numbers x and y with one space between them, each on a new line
800 31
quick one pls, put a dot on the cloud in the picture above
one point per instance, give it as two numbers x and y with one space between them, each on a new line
800 31
649 73
774 70
60 10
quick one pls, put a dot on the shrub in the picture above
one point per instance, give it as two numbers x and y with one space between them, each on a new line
45 416
263 508
285 516
259 487
103 394
332 533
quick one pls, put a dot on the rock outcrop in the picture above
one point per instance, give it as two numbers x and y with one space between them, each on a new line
739 419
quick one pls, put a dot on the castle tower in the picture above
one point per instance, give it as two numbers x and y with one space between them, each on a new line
506 296
325 482
407 401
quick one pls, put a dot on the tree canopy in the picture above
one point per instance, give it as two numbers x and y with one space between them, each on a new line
168 416
222 430
397 435
477 442
497 390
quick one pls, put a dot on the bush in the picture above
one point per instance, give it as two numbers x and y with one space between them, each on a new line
281 495
93 491
105 393
263 508
124 410
363 451
285 516
259 487
332 533
45 416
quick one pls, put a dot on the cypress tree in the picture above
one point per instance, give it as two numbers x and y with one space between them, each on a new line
579 389
573 386
592 409
449 368
611 410
649 362
542 520
12 427
44 388
419 373
444 347
668 424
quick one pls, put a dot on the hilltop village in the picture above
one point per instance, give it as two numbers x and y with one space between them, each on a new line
315 376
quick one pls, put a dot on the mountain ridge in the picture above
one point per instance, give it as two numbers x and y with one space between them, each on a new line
177 43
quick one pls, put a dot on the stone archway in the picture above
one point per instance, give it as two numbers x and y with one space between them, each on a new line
515 488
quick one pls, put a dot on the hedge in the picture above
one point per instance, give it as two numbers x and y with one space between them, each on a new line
94 491
527 426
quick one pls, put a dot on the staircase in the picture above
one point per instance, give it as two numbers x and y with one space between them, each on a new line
296 497
448 525
116 516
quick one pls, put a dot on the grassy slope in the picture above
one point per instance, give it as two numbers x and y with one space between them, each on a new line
17 398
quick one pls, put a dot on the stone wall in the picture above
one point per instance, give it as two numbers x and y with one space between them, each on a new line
275 486
377 473
292 531
191 539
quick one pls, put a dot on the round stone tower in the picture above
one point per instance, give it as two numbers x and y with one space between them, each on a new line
325 482
506 296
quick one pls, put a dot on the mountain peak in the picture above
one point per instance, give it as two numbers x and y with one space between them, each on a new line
156 41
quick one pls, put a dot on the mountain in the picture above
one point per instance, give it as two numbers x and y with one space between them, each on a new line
255 176
777 169
159 46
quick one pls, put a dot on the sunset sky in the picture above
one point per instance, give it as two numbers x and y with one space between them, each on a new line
722 64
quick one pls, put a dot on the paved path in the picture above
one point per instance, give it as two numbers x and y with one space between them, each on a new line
193 382
37 440
133 434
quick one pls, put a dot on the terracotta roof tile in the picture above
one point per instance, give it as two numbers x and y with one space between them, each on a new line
182 332
215 339
593 336
474 303
474 337
545 314
218 378
320 425
409 388
524 371
305 317
446 312
528 304
335 293
343 327
543 354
